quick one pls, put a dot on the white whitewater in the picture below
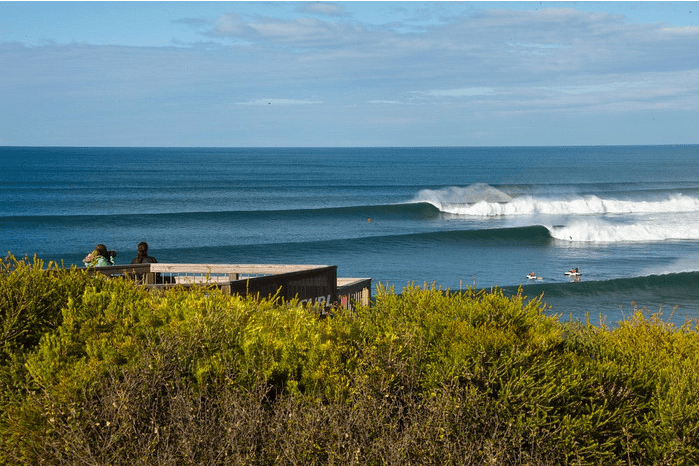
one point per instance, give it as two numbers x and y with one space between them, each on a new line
577 218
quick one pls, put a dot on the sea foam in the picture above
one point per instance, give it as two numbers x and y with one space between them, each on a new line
643 230
587 218
485 201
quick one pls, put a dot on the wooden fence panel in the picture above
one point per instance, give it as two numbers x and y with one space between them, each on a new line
313 284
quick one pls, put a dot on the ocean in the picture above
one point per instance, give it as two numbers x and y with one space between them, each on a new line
626 216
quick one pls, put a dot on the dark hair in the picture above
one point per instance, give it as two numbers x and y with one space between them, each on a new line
101 250
143 254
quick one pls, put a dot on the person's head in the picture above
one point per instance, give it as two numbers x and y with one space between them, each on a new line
101 250
143 248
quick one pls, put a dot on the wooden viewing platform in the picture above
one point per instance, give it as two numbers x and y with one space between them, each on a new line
315 284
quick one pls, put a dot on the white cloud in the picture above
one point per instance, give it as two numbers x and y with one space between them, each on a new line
461 92
304 32
593 88
322 8
280 102
532 64
691 30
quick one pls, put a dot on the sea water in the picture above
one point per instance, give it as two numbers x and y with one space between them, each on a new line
626 216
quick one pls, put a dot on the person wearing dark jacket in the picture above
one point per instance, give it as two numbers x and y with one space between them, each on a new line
143 257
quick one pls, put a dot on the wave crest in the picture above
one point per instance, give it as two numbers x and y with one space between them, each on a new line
598 231
482 200
453 198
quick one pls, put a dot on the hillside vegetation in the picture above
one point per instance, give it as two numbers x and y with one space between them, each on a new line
102 372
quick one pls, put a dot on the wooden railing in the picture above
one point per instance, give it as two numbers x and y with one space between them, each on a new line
313 284
353 291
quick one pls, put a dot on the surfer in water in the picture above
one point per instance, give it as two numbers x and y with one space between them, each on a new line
574 273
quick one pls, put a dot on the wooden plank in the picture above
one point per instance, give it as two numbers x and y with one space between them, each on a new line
121 269
354 290
315 285
231 268
310 283
341 281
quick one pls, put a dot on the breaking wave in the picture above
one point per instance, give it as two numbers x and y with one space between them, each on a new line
486 201
601 231
578 218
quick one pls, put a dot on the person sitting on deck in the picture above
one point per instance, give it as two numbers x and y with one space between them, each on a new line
143 257
100 257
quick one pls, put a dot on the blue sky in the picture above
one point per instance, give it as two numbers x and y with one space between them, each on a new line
348 73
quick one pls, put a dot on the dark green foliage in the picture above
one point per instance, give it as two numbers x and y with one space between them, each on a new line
31 299
99 371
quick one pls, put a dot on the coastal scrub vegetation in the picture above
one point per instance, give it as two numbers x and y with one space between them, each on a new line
100 371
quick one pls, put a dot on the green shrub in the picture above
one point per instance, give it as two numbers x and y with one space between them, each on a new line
32 295
100 371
